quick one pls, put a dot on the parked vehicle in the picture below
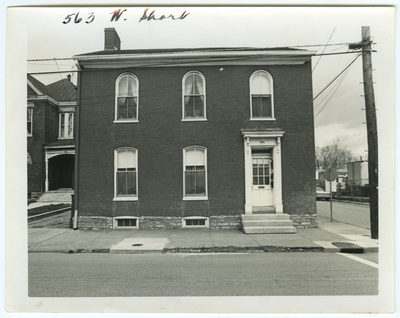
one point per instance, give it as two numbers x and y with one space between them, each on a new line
322 194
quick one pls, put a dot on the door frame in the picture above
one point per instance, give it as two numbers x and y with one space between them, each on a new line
53 152
268 138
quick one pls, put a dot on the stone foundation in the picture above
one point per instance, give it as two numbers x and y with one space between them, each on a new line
222 222
304 221
225 222
160 223
95 223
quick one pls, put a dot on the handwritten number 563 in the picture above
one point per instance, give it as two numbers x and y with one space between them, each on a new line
68 18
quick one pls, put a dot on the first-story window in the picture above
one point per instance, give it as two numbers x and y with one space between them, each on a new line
126 173
195 172
30 121
66 128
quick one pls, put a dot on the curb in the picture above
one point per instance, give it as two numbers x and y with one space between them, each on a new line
327 247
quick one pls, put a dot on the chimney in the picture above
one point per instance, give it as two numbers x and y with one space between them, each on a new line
111 40
69 77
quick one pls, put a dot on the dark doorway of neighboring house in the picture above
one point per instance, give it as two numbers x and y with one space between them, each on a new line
61 172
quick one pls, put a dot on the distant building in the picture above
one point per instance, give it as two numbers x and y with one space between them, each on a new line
340 181
50 129
358 179
172 138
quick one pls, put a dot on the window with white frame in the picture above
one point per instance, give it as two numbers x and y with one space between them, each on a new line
195 173
126 222
126 100
194 96
195 221
126 173
261 97
66 125
30 121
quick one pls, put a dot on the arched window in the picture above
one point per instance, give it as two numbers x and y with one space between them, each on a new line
261 95
125 178
194 96
195 173
126 98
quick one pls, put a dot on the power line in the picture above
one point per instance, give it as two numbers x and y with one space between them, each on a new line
334 90
359 54
272 48
324 49
163 64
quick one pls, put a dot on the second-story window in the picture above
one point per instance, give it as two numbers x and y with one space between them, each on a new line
66 125
194 93
261 97
30 121
126 104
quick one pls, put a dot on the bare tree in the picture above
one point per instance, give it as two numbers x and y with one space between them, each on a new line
333 155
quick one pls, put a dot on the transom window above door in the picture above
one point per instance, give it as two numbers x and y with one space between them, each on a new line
261 96
126 99
194 96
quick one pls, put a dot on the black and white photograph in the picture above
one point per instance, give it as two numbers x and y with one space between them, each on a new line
200 159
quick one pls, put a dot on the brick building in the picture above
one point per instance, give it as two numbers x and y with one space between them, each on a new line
50 128
213 137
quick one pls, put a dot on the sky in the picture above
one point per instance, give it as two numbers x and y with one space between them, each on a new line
339 113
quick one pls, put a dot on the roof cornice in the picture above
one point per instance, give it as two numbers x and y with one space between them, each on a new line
186 58
35 89
43 97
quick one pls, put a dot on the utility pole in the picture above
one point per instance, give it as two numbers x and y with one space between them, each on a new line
372 132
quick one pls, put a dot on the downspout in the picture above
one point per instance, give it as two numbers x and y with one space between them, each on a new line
77 142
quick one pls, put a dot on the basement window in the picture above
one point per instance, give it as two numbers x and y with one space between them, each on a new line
195 222
126 223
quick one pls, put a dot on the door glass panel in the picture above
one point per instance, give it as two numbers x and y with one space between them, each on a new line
261 171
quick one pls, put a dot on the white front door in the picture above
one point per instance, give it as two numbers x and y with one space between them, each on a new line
262 179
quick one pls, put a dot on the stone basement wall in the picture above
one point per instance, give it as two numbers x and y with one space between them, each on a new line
304 221
95 223
224 222
159 223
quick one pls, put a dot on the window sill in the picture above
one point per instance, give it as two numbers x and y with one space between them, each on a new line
125 199
29 135
195 199
262 119
65 138
125 121
194 119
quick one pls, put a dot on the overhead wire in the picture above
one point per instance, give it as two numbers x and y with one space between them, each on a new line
62 82
337 76
333 91
324 49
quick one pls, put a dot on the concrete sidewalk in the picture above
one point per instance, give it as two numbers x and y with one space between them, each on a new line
329 237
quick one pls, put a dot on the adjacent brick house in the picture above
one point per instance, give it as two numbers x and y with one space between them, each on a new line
172 138
50 129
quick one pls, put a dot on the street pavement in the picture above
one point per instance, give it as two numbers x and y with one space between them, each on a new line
328 237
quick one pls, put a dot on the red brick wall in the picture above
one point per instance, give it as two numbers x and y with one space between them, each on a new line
160 136
36 169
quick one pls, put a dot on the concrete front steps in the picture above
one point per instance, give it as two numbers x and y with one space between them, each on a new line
267 224
57 196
